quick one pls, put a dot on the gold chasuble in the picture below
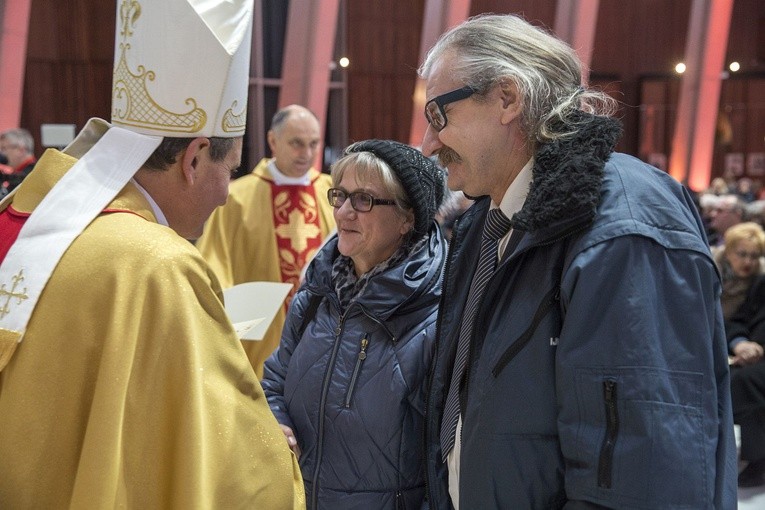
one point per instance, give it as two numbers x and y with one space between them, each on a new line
267 232
130 388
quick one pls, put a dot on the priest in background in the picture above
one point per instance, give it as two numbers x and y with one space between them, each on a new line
122 381
275 219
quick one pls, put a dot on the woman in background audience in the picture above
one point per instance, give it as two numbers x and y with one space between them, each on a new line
740 261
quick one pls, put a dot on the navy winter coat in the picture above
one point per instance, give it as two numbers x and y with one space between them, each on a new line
352 387
599 372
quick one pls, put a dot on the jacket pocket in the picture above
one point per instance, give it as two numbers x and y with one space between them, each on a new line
357 370
605 462
636 431
548 301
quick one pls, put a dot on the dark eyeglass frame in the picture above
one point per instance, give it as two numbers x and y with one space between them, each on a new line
335 194
443 100
747 255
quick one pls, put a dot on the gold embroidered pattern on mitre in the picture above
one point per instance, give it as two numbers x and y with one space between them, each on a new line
11 294
234 122
132 103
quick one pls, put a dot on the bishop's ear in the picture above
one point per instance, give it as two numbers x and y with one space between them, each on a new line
192 157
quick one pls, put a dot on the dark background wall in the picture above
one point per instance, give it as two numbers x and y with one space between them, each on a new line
637 44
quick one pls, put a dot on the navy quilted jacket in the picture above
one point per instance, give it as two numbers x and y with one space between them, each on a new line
352 386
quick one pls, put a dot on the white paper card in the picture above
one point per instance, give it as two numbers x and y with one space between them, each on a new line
243 328
252 306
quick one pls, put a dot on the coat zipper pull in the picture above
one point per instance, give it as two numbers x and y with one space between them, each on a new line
363 351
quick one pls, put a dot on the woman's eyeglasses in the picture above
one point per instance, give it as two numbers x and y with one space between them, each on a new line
361 201
746 255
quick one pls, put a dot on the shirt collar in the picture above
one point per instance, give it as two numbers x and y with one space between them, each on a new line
285 180
516 193
154 206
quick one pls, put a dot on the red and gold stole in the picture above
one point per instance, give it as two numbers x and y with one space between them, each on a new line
11 222
297 229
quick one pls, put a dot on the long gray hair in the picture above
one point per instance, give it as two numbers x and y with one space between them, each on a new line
547 72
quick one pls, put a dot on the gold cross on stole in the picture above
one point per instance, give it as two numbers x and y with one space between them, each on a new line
13 293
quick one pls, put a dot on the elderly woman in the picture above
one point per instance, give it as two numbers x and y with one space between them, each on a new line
742 298
740 262
347 382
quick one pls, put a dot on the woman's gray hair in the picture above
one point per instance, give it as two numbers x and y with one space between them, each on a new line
368 168
547 72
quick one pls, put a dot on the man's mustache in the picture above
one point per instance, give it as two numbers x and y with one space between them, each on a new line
447 156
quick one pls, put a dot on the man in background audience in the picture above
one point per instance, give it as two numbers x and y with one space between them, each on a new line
723 212
17 146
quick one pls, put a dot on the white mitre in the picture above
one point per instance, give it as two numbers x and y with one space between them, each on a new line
181 67
181 70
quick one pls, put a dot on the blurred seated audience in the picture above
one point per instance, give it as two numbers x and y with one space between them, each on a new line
745 190
755 211
718 187
746 331
17 147
721 212
4 169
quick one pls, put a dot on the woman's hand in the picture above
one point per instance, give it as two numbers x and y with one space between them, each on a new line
291 440
747 353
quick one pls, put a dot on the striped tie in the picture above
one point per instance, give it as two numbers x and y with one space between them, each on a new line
496 226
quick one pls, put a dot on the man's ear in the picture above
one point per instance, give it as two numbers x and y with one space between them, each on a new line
192 157
511 100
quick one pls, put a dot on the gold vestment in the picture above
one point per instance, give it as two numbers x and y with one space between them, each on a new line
130 388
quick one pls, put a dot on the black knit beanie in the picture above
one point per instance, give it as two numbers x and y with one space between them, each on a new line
422 180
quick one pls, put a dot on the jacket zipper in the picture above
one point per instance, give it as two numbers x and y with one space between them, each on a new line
433 368
550 299
605 463
322 404
399 501
556 296
363 353
359 361
379 323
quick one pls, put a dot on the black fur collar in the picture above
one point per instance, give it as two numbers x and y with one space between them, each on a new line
568 174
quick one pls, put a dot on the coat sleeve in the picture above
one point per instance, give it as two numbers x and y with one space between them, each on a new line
415 368
642 379
277 365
